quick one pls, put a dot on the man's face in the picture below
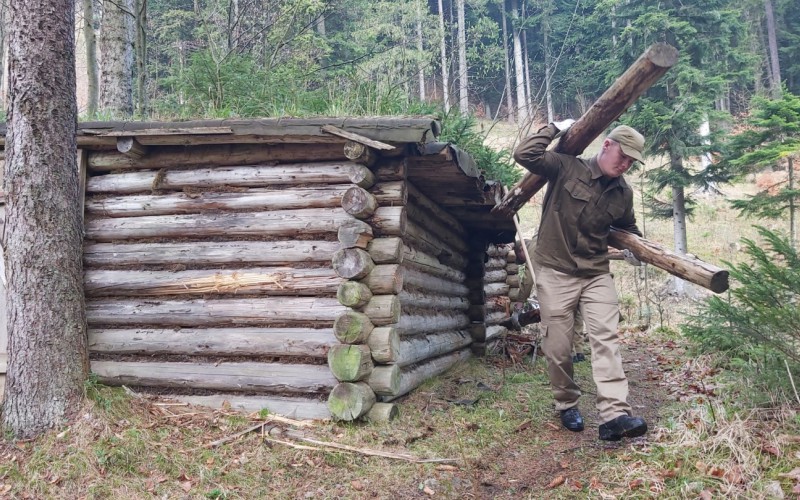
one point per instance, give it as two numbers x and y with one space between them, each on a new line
612 161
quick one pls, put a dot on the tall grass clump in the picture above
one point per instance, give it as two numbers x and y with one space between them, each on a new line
498 164
757 325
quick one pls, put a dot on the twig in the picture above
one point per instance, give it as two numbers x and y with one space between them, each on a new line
290 444
791 379
234 437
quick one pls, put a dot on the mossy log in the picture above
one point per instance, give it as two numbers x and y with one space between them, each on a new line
350 400
392 381
353 294
352 263
352 327
350 363
383 412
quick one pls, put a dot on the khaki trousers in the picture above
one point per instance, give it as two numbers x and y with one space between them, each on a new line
559 295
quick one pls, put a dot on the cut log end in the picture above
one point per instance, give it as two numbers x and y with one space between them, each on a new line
662 55
349 401
353 294
350 363
383 412
719 282
352 327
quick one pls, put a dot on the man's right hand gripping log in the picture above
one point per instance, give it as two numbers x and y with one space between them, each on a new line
584 199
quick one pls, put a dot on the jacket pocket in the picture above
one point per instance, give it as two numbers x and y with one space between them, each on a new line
578 190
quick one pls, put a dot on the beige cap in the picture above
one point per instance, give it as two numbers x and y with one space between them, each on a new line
630 141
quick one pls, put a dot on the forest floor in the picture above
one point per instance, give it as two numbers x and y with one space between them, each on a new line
490 421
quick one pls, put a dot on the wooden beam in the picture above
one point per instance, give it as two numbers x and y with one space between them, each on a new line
298 407
639 77
351 136
132 148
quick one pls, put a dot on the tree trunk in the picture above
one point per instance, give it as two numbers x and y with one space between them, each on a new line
774 63
46 318
509 98
90 40
463 80
117 34
522 103
792 207
548 91
141 57
420 49
443 62
678 217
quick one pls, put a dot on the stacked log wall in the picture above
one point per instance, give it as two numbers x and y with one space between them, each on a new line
215 284
499 283
404 259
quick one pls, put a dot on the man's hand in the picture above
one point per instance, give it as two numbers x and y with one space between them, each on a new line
631 259
563 126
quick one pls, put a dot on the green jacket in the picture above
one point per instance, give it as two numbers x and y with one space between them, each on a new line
579 208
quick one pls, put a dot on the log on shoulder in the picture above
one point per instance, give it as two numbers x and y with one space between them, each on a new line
634 82
691 269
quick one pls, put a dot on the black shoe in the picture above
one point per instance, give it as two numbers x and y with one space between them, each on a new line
571 419
623 426
578 357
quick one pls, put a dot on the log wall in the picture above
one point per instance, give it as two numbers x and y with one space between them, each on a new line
406 264
219 279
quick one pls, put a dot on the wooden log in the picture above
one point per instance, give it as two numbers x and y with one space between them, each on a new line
353 294
352 263
358 138
389 221
298 408
189 203
511 256
512 268
350 363
501 303
252 281
306 342
350 401
430 223
514 296
263 311
390 193
495 317
495 263
410 350
359 203
391 170
359 153
496 289
418 300
433 208
132 148
690 269
354 233
417 323
639 77
203 253
282 223
383 412
477 331
429 243
238 377
386 250
396 382
513 281
495 276
384 343
423 281
495 331
386 279
497 250
215 155
383 310
248 176
477 312
352 327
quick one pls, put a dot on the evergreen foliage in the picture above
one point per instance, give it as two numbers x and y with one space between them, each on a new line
759 322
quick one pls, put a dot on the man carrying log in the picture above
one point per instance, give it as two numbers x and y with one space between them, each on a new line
584 199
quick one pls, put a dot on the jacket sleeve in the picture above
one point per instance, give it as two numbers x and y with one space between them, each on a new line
533 155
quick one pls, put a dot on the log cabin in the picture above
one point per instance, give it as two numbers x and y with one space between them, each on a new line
316 268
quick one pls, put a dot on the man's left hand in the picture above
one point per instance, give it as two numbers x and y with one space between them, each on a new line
631 259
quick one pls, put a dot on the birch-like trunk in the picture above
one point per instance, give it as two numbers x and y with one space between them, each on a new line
420 48
548 92
509 98
774 63
117 34
46 319
792 207
463 80
444 64
522 109
678 219
90 39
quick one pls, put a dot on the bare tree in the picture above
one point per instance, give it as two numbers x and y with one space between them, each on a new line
519 68
90 40
117 34
509 98
43 235
463 80
444 64
774 64
420 49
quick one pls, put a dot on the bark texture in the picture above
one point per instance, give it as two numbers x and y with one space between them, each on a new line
116 58
46 319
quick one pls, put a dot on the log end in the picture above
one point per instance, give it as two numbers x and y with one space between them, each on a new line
662 55
719 282
349 401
